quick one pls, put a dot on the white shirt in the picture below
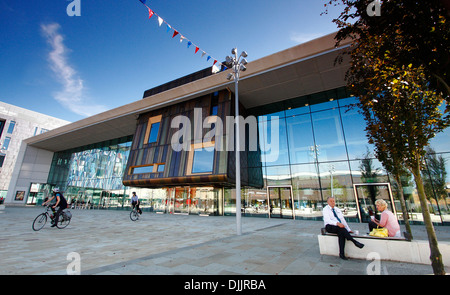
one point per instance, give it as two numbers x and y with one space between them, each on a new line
329 218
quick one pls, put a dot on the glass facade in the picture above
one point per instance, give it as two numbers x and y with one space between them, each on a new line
322 151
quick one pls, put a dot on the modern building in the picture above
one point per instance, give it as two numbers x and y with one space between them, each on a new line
17 124
303 143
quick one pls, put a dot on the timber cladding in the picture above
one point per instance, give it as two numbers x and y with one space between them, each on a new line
153 162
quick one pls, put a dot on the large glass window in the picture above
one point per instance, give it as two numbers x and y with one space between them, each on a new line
306 191
300 137
355 135
330 145
277 175
203 160
273 141
336 181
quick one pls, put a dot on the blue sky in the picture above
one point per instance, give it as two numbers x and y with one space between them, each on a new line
74 67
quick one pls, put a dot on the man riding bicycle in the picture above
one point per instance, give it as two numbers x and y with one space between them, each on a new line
60 202
135 202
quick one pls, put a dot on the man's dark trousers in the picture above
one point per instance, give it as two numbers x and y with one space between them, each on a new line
342 233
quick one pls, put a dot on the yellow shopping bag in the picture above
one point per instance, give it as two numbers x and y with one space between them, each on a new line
379 232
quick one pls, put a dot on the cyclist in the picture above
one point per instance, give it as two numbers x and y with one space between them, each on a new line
61 203
135 202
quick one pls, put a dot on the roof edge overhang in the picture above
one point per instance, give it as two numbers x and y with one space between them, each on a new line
121 121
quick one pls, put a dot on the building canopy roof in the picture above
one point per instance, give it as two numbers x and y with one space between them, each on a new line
300 70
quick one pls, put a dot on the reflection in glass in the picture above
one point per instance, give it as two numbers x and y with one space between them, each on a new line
154 132
322 101
203 200
355 135
300 137
367 194
336 182
270 145
144 169
255 202
436 182
277 175
280 202
329 136
306 191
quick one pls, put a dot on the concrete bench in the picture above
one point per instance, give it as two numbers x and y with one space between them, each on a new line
393 249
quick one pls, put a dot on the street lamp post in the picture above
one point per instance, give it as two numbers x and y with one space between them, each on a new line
237 64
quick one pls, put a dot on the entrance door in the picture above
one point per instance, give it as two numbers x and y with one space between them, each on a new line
181 200
366 195
280 202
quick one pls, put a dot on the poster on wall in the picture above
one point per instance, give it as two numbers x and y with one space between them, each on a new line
19 196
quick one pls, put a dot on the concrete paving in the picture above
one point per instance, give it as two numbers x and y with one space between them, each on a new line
109 243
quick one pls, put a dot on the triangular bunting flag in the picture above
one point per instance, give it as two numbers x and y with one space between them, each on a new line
196 49
215 69
209 57
143 1
168 28
150 13
203 53
215 61
175 32
189 44
182 38
160 21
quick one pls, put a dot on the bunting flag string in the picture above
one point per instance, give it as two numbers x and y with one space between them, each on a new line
215 68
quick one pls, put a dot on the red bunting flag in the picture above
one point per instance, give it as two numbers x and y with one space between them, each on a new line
169 27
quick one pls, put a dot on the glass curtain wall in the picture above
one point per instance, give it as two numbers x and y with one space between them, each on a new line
323 151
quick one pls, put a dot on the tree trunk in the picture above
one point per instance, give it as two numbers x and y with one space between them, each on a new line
403 205
435 254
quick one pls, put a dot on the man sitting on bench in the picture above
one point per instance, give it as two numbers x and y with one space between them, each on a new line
334 222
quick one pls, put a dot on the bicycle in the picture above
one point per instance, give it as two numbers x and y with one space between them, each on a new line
134 214
41 219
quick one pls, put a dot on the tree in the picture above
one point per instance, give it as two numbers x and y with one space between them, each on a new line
396 71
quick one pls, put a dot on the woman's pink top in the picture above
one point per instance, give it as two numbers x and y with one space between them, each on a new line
389 221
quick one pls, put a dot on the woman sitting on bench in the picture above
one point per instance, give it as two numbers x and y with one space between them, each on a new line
387 220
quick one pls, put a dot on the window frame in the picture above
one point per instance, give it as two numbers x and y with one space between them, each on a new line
151 121
190 162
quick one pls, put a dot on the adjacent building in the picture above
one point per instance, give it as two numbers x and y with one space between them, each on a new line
17 124
303 141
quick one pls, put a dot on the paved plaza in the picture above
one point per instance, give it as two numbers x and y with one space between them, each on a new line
109 243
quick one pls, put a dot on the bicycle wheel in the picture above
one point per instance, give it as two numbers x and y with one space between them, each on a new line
63 221
39 222
134 215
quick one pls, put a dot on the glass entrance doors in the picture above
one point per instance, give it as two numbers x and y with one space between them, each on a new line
366 195
193 200
181 200
280 202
